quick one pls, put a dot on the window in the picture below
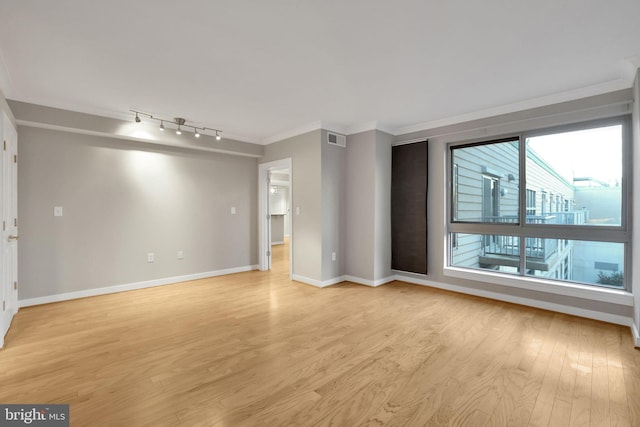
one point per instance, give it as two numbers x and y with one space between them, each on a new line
577 233
531 202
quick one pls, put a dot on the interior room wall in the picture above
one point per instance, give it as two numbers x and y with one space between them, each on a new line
333 209
368 207
360 178
636 206
122 200
382 254
607 105
4 106
306 173
278 199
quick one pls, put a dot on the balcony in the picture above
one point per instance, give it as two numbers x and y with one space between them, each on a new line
505 250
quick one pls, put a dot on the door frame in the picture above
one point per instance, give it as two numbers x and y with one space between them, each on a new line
264 221
9 210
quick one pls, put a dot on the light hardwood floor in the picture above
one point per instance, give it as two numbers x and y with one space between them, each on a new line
254 349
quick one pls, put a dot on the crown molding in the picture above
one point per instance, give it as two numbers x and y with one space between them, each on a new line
630 67
585 92
373 125
310 127
331 127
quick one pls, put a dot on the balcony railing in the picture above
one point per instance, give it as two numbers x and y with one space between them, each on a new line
536 248
564 218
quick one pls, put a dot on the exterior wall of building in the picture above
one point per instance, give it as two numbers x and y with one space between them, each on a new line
499 162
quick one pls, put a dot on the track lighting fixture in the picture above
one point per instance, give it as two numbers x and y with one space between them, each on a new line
179 122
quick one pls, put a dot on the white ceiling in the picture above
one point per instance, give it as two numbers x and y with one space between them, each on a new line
262 69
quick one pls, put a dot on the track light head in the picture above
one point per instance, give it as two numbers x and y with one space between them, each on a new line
196 133
179 121
162 125
138 118
218 137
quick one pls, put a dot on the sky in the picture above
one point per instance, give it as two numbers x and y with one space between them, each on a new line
594 153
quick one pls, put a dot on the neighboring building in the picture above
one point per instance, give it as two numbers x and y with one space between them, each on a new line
485 189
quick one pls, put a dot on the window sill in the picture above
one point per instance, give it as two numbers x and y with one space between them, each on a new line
613 296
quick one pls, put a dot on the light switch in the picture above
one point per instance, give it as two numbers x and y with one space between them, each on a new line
57 211
233 210
297 210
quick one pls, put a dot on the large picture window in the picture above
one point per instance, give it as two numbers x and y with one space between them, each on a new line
569 223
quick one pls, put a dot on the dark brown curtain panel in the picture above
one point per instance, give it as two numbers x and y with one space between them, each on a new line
409 207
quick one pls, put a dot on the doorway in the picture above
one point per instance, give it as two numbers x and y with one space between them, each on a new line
275 224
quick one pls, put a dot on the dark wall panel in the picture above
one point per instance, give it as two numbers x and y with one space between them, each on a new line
409 208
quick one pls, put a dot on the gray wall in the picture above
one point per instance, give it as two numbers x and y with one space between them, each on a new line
306 173
122 200
636 202
333 208
4 106
608 105
382 255
360 207
368 205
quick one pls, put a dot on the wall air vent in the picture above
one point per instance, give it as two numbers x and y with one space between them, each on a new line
335 139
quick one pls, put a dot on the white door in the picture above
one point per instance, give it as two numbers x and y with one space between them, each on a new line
9 209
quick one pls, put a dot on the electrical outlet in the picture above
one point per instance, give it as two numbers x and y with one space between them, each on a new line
333 256
180 255
233 210
150 257
57 211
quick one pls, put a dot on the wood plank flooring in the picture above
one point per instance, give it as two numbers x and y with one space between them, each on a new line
255 349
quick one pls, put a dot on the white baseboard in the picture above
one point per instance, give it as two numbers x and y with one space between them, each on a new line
340 279
308 281
575 311
333 281
130 286
367 282
635 330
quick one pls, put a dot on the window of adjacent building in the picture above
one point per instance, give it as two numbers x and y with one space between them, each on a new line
531 202
574 231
